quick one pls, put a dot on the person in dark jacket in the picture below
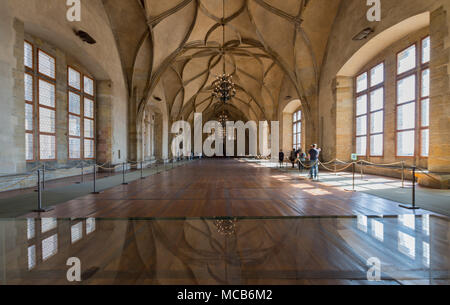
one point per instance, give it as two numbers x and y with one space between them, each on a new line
293 157
281 158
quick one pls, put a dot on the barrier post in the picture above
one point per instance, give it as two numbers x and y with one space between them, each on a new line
123 174
362 171
413 195
43 176
40 209
142 170
82 172
403 174
95 179
353 178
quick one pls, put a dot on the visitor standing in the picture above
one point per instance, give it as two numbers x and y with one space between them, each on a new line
314 153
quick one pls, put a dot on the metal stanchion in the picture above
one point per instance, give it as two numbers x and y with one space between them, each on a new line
362 172
123 174
413 206
403 174
95 192
40 209
353 178
142 170
43 176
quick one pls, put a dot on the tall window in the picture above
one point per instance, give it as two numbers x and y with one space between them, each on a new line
80 115
47 106
29 101
369 112
413 90
297 129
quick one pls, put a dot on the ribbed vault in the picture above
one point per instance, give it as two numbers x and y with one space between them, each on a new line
273 48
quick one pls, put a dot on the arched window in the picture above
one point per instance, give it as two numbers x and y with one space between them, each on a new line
297 129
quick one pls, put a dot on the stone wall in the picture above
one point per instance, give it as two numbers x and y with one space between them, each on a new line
336 96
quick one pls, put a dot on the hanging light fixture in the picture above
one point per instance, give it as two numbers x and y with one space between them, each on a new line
224 88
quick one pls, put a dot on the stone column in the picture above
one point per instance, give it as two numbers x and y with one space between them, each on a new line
104 121
439 157
344 118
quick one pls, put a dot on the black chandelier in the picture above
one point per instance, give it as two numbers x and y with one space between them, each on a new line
223 88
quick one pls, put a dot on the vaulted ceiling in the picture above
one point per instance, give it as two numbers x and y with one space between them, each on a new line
173 49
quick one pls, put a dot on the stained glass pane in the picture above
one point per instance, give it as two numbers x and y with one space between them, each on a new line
376 145
46 93
406 115
361 146
299 115
28 55
74 126
47 147
377 75
29 147
74 103
406 89
425 143
376 122
89 149
426 83
425 115
361 126
426 47
377 100
46 120
407 60
28 117
88 86
74 148
361 83
405 143
88 128
74 79
28 87
46 64
88 108
361 105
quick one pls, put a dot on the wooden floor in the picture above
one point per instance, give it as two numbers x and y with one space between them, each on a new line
223 188
328 250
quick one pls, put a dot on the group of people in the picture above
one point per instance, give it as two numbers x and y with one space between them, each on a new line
297 156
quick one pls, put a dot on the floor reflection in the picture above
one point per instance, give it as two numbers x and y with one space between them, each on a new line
227 251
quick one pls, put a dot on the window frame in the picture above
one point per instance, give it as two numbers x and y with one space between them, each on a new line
39 105
31 72
83 95
417 72
423 67
295 135
368 114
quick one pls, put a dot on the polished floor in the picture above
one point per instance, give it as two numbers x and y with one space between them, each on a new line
224 188
306 250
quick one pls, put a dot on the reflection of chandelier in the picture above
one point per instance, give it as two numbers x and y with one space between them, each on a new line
226 227
224 88
223 119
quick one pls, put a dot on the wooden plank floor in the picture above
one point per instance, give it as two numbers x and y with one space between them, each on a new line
223 188
255 252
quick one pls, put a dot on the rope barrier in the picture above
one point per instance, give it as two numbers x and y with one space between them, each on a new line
336 171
